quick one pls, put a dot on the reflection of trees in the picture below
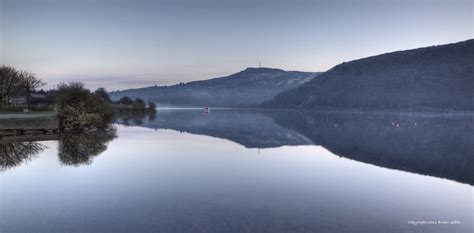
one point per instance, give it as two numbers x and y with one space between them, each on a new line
79 148
151 116
74 148
135 118
13 154
138 121
126 121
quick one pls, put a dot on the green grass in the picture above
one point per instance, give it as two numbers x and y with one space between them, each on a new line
20 115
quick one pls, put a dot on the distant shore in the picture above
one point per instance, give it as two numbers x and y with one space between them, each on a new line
425 112
44 124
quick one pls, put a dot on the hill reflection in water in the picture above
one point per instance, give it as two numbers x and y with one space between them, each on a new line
439 145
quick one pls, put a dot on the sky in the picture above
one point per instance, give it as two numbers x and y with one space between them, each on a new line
121 44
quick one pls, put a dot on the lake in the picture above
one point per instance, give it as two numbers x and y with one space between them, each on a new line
246 171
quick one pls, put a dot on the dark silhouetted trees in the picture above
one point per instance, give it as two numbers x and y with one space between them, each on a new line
103 94
14 82
126 101
9 79
29 83
139 105
151 107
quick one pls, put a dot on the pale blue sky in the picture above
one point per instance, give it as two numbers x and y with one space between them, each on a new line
123 43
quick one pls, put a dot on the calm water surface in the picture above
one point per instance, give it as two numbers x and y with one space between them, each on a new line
183 171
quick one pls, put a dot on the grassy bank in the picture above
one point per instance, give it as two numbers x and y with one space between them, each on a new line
18 124
20 115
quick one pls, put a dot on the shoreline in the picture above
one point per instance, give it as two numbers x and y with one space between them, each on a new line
27 124
45 123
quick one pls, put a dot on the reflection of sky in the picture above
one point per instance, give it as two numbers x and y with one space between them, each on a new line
146 42
164 179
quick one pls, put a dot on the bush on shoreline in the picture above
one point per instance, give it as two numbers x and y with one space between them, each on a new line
78 108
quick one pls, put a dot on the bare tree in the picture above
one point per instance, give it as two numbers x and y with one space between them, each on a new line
14 154
10 79
29 83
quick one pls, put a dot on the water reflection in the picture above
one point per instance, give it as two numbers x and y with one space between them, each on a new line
74 148
77 149
438 145
13 154
251 129
134 118
167 181
429 144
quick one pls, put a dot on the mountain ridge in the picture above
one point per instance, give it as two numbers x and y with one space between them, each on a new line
431 78
249 87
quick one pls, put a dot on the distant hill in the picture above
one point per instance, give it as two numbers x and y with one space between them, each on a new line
432 78
249 87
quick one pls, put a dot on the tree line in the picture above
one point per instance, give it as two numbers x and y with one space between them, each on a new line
137 105
15 82
76 107
79 108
